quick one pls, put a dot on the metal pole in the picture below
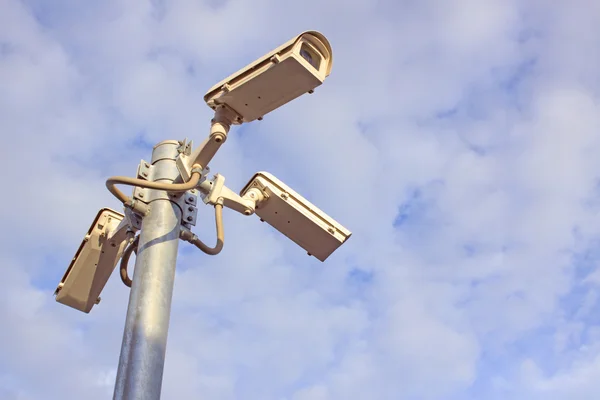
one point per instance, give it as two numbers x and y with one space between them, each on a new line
142 358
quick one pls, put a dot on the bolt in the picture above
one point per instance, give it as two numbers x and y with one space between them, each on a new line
190 199
247 212
190 218
190 209
145 174
146 165
141 195
331 230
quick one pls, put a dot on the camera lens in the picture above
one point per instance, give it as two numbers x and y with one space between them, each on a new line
306 55
311 56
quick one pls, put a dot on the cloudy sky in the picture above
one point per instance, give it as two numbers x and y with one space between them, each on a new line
458 141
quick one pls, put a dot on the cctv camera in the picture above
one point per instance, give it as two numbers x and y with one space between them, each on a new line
295 68
93 263
294 216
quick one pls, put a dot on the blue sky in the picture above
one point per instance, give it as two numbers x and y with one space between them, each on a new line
458 141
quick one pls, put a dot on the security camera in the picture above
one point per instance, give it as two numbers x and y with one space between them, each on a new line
295 68
93 263
294 216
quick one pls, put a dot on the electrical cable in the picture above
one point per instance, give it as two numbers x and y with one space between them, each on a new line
169 187
188 236
125 260
220 235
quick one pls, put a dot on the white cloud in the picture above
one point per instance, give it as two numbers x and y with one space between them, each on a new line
457 140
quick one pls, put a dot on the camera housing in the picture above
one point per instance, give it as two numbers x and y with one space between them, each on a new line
296 67
294 216
93 263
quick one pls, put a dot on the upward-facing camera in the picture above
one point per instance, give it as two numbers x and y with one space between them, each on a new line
294 68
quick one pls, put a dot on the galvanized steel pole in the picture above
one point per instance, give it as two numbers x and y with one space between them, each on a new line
142 358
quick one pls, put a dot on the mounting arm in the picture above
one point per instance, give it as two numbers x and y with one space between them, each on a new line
204 153
217 193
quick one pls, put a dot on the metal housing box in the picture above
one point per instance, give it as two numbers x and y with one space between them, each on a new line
295 68
295 217
92 265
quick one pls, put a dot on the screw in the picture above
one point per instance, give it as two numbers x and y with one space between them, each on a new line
141 195
190 218
145 174
190 209
331 230
190 199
